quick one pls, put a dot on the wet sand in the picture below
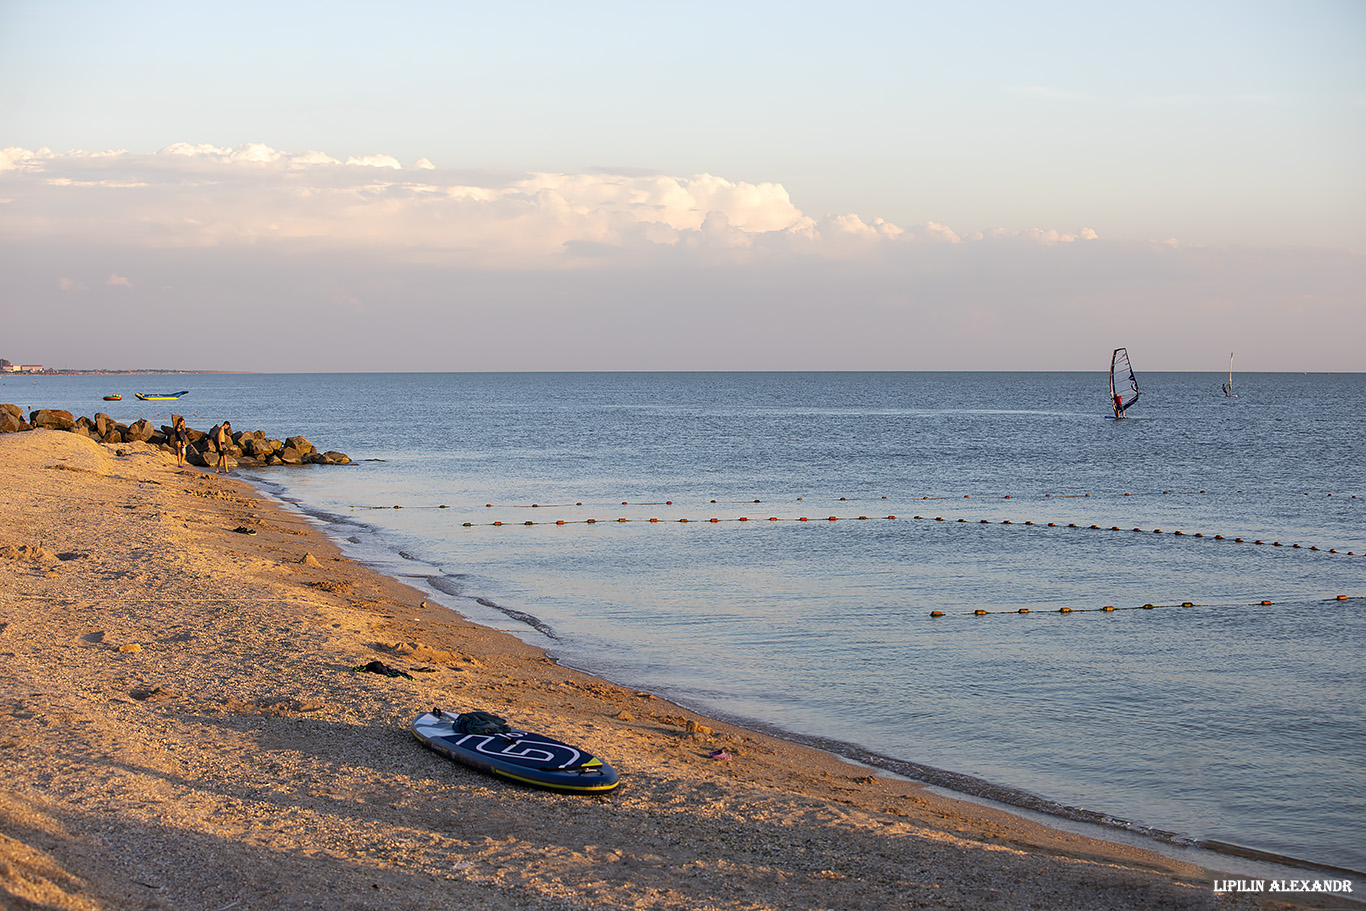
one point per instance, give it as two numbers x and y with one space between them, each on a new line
181 727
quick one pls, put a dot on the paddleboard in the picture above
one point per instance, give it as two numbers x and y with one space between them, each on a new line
521 756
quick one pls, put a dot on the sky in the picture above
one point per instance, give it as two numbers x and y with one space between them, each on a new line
742 186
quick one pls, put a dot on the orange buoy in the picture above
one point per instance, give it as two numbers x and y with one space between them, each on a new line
1108 607
715 520
936 613
1266 602
497 523
802 519
592 521
1064 610
1149 606
744 518
654 520
469 524
621 520
979 612
1187 604
891 517
1023 610
559 521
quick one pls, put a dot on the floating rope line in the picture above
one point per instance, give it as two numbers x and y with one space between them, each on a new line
898 498
716 520
1110 608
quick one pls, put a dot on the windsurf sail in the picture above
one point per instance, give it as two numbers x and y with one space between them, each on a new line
1123 383
1228 387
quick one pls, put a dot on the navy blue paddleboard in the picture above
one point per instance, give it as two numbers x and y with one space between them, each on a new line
518 755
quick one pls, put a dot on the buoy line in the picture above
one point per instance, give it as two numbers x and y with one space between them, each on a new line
717 520
902 498
1110 608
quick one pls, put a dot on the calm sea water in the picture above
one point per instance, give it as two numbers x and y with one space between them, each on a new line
1230 719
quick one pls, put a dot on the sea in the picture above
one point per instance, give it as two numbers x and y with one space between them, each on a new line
979 580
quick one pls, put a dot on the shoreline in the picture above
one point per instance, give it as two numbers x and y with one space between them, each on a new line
182 728
1007 798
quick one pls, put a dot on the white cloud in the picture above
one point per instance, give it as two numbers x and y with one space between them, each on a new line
206 196
116 279
70 284
376 161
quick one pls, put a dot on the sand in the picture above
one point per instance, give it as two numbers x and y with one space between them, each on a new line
181 728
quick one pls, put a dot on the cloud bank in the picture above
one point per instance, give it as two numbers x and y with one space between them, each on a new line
204 196
310 261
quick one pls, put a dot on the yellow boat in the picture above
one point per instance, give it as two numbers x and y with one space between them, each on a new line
162 397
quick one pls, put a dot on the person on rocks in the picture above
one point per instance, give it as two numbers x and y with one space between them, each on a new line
181 437
222 439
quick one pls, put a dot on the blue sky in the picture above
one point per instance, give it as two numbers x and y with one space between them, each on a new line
1180 178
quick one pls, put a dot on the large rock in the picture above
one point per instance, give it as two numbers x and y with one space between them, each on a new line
139 431
14 410
51 419
301 445
12 423
102 423
337 458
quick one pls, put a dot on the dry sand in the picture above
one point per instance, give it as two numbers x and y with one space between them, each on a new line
181 728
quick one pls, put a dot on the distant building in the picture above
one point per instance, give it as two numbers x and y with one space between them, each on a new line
30 368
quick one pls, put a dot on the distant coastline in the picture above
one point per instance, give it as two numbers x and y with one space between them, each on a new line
91 372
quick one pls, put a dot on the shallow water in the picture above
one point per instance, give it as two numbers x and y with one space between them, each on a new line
1229 720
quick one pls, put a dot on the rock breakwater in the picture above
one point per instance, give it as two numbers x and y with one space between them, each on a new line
249 448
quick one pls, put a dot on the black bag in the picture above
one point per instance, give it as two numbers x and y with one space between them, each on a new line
480 723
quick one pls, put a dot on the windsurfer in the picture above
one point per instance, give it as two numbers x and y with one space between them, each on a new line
1119 406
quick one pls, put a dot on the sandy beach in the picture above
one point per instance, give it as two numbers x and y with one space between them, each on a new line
181 727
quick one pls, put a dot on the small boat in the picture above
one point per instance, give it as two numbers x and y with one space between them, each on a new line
1123 383
162 396
113 398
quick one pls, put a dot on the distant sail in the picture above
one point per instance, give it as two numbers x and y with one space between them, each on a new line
1123 383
